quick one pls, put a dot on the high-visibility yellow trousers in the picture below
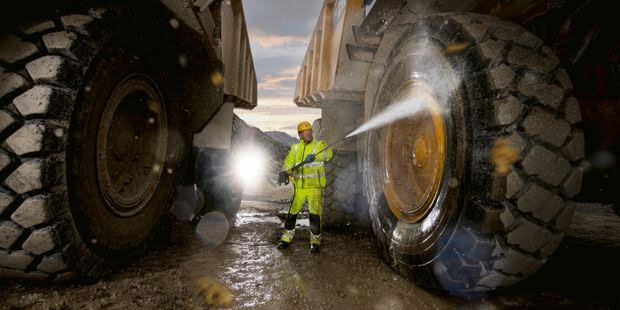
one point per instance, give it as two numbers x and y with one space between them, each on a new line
314 197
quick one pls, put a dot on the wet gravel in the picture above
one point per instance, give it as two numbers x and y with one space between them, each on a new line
346 275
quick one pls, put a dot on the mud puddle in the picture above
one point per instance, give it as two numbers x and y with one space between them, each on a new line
346 275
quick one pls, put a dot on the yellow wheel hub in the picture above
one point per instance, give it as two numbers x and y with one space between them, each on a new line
415 154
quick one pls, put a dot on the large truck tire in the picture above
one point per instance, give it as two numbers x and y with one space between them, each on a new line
91 145
343 203
443 215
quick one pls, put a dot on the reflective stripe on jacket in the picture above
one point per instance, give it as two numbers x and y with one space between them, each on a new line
312 174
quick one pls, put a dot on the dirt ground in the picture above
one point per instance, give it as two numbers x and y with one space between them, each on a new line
345 275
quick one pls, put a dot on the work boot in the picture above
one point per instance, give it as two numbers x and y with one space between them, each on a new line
283 245
314 248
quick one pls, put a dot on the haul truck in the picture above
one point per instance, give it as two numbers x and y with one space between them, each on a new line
485 74
102 104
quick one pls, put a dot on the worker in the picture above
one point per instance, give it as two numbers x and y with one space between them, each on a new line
308 183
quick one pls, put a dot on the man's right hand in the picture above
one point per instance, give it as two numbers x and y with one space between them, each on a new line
283 178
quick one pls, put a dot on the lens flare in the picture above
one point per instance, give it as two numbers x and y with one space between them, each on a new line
249 166
212 229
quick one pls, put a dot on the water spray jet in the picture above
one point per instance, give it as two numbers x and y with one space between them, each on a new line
410 104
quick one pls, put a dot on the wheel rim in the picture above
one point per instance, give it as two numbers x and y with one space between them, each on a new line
415 155
131 145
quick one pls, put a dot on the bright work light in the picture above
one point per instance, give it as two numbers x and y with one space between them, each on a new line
249 165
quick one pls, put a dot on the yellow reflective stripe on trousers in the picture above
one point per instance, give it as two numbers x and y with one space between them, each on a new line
287 235
315 239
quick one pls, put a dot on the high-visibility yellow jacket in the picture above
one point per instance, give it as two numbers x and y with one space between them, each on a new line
309 175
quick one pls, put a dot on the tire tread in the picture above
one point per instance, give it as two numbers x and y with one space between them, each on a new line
526 83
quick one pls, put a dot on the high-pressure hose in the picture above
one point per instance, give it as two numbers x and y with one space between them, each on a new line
283 177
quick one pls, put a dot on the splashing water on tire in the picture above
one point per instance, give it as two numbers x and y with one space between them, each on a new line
443 82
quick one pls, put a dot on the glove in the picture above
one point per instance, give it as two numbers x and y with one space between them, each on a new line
283 178
310 158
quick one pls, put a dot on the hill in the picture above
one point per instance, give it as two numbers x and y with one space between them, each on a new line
282 137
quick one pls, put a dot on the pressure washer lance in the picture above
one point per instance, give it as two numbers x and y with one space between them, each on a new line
283 177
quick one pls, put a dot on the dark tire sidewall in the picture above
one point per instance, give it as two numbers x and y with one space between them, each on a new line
103 231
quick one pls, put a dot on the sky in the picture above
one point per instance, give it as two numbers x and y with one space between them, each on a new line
279 33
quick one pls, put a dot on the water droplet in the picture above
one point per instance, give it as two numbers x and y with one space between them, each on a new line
352 290
93 241
170 170
182 61
135 137
212 229
58 132
214 293
453 182
217 79
153 106
503 155
156 168
586 165
151 120
455 48
174 23
87 88
603 160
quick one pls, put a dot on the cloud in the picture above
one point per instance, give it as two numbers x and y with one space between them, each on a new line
287 53
276 82
279 33
291 70
268 41
282 17
280 82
